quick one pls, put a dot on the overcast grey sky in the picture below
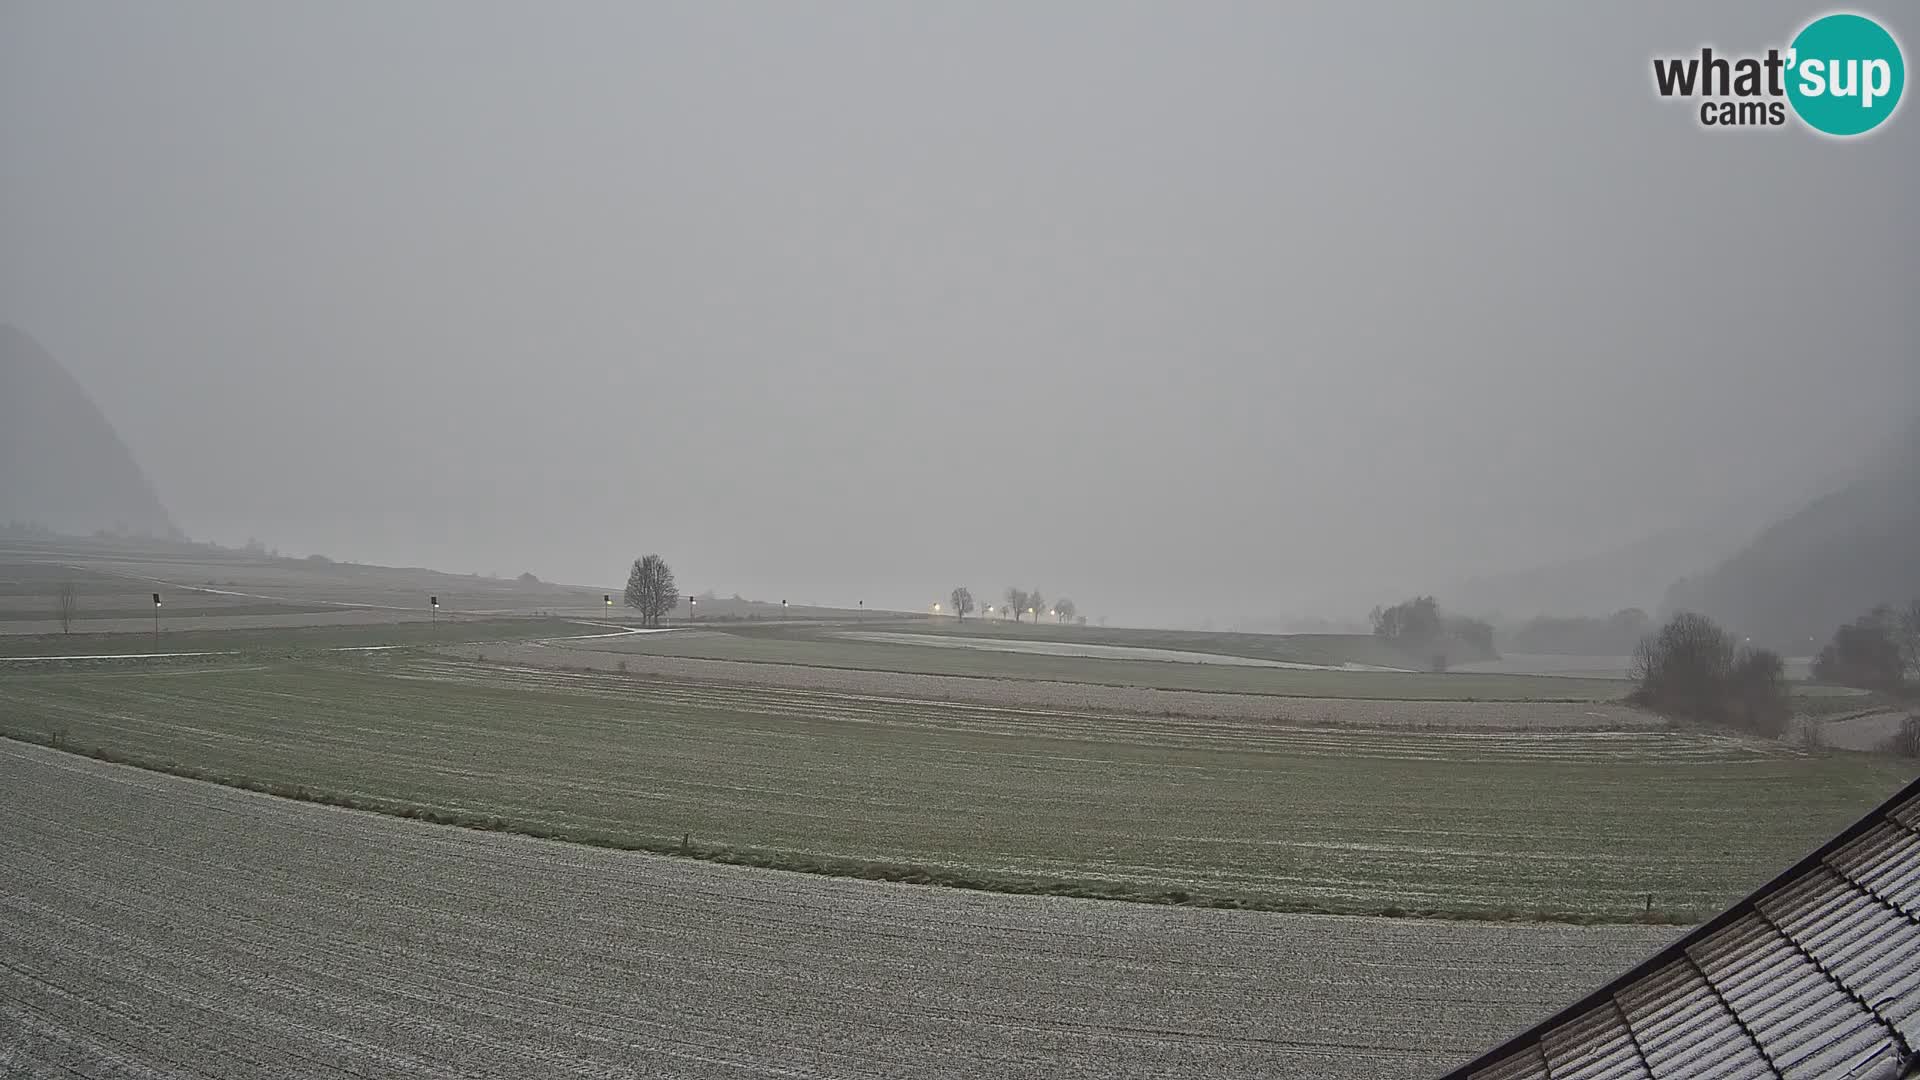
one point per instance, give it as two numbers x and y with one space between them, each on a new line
1183 310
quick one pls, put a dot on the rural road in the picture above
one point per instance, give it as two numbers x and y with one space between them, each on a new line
154 926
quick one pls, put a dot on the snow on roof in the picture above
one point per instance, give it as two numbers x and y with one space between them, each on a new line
1817 974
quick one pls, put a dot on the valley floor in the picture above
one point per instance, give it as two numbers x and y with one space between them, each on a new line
156 926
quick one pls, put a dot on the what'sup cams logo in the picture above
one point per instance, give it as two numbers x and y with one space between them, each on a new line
1841 75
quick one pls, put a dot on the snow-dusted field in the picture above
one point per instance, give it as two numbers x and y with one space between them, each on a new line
158 927
1601 667
1867 731
1264 812
1058 694
1089 649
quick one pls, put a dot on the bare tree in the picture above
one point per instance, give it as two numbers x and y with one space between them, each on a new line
651 589
1758 698
1016 601
1036 604
1867 652
1411 623
69 603
1906 741
1063 610
1691 669
1910 638
1683 669
962 602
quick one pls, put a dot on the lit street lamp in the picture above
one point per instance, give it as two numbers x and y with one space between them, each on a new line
156 619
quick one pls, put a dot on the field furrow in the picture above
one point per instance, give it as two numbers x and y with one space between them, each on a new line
1257 812
158 927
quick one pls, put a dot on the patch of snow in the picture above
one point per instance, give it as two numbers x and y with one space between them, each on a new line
1092 651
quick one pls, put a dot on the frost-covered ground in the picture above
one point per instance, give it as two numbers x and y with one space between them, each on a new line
1282 811
1089 649
1867 731
1064 694
158 927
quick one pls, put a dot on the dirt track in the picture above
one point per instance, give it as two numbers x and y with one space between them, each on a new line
153 926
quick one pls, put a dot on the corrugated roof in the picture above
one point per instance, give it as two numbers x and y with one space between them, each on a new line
1817 974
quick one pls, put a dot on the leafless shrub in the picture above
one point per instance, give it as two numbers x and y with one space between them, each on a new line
1906 741
1691 670
1812 734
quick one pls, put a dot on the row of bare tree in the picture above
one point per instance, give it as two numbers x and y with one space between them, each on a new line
1020 602
651 591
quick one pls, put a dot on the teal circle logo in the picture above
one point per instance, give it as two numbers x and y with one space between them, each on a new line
1845 74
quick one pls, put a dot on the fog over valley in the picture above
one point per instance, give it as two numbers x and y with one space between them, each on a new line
1078 539
864 302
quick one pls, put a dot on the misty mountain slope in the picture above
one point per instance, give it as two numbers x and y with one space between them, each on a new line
1832 560
62 465
1635 574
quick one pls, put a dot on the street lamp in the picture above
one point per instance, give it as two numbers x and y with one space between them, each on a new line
432 601
156 619
692 602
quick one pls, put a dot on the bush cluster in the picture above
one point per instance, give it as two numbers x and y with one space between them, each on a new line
1877 651
1691 669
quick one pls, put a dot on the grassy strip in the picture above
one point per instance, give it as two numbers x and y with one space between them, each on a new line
804 863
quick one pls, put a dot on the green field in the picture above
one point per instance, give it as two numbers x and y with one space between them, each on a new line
115 580
284 640
1255 814
825 645
1297 648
